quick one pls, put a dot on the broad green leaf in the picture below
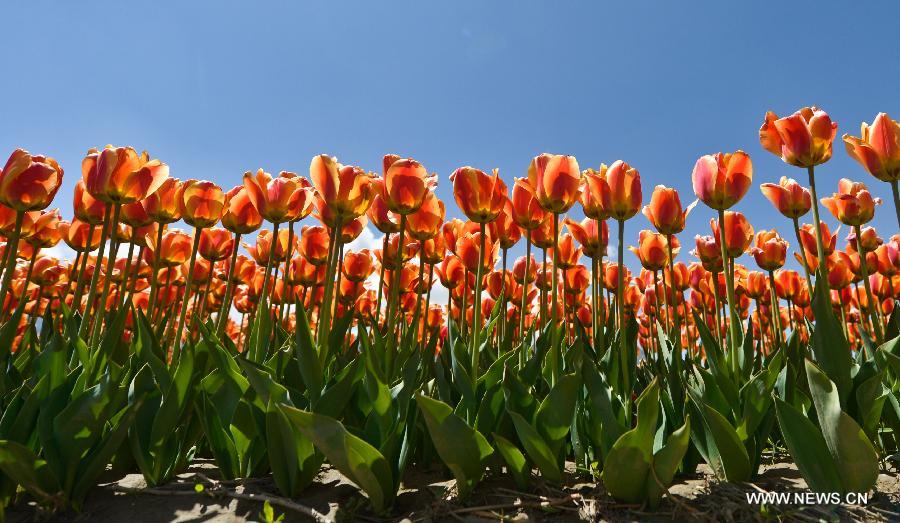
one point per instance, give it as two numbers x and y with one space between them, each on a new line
516 463
536 448
356 459
808 449
666 462
850 448
463 449
25 468
828 343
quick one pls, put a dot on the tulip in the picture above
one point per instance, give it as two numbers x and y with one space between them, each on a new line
215 244
665 212
769 250
877 149
803 139
720 180
346 190
406 184
426 222
557 181
653 250
480 197
853 204
27 183
738 233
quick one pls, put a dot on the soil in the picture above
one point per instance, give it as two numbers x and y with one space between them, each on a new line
428 495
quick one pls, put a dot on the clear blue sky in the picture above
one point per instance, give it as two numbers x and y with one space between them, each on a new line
217 88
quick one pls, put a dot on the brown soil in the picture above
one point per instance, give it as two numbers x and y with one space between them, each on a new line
427 495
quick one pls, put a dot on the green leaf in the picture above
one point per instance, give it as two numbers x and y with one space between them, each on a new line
307 358
725 453
537 449
554 416
627 465
808 449
850 448
666 462
292 457
356 459
516 463
26 469
463 449
828 343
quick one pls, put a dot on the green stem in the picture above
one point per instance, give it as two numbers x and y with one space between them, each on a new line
775 312
229 289
554 313
733 321
187 290
803 256
864 271
12 249
676 316
896 190
620 306
525 286
107 281
820 245
95 278
476 314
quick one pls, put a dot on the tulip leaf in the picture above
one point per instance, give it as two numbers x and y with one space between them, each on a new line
353 457
722 447
516 463
463 449
627 464
306 356
666 462
293 458
808 448
554 415
536 448
850 448
828 343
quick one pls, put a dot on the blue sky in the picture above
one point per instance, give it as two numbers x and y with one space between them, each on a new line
217 88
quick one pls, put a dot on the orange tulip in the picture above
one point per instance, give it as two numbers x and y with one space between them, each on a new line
381 217
174 250
567 253
240 216
262 250
665 212
467 247
652 250
426 222
757 285
769 250
526 209
275 198
202 203
351 230
480 197
877 148
593 239
738 233
314 242
840 273
504 228
789 197
803 139
29 182
451 272
76 235
708 252
406 183
592 193
433 250
215 244
134 215
808 237
87 208
519 267
868 240
721 180
853 204
45 230
346 190
163 205
357 265
121 175
557 181
619 190
47 271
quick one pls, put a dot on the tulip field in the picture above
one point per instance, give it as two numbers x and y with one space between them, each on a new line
238 328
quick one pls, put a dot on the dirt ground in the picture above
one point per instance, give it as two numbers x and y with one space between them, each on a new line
429 496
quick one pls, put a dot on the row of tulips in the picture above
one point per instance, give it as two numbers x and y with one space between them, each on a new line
304 349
